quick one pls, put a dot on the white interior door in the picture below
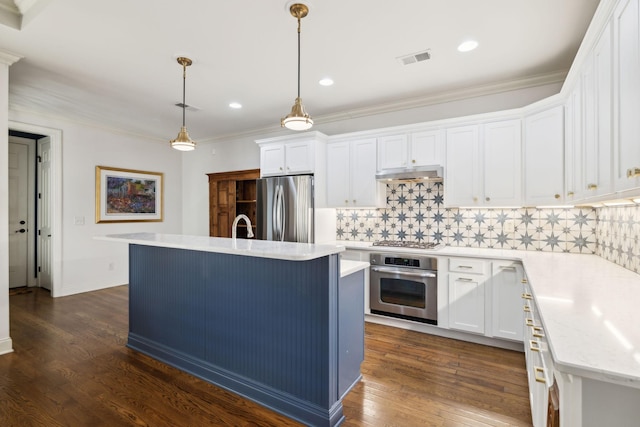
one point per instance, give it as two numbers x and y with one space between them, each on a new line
44 213
18 213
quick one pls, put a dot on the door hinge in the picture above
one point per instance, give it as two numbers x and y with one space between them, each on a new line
39 159
39 232
39 269
39 195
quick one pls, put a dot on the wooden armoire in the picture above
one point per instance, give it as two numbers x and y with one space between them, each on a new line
232 194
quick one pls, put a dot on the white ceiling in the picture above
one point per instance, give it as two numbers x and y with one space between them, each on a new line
113 62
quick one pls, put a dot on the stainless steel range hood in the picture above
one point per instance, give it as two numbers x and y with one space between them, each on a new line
419 174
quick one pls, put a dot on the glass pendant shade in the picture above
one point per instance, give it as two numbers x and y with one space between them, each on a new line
297 119
183 142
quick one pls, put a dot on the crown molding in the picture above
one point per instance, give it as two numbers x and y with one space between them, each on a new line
9 58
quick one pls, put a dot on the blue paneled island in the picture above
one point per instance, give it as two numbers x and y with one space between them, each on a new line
271 321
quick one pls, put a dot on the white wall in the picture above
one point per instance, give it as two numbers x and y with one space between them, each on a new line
88 264
243 153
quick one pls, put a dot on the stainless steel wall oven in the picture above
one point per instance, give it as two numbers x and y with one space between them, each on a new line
404 286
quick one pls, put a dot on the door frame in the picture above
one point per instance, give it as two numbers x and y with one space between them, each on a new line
56 197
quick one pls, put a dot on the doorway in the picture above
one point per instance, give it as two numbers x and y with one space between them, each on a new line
39 190
26 214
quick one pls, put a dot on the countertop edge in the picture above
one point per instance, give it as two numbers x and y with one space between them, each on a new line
289 251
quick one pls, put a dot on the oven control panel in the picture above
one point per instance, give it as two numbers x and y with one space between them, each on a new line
408 261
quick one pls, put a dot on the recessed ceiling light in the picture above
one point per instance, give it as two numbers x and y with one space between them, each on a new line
326 81
468 46
235 105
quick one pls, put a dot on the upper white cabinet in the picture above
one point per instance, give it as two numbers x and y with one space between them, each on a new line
411 150
288 158
544 157
351 171
626 96
573 161
483 166
597 109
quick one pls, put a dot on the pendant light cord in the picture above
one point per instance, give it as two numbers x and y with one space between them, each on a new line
298 55
184 86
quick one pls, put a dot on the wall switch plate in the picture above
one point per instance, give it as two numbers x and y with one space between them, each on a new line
78 220
509 226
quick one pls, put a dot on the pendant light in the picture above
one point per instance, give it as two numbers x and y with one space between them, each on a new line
183 142
298 119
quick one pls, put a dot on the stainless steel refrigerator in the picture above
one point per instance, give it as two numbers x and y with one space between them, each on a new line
285 208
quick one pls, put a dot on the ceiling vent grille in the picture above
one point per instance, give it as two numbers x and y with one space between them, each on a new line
414 57
187 106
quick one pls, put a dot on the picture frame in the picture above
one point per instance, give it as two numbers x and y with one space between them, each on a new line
128 195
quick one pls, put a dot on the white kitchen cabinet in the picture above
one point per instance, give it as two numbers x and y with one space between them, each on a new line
467 294
626 78
544 157
289 158
417 149
484 165
573 162
507 318
351 170
597 118
462 168
502 163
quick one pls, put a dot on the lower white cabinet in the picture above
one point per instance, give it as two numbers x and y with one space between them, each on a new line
506 293
467 282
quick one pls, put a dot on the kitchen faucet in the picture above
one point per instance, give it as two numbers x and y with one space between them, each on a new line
234 227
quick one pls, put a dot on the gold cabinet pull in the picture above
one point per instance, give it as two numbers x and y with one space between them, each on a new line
413 161
538 332
526 296
570 194
507 267
534 345
524 281
592 187
557 196
539 374
465 279
475 199
527 309
529 322
633 172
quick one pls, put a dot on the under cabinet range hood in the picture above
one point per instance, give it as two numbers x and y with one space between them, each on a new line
419 174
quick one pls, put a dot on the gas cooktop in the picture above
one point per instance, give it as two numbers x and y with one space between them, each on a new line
406 244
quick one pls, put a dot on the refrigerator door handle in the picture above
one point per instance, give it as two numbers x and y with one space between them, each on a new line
283 214
275 211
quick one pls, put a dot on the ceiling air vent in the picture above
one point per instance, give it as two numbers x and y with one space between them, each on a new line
414 57
187 106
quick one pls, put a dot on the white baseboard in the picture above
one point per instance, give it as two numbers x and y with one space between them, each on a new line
6 346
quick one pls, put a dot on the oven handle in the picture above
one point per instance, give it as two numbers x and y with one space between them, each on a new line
401 272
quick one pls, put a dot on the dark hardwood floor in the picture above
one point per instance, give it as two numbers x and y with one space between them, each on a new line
70 367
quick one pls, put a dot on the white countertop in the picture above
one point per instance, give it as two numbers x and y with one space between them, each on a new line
247 247
590 308
348 267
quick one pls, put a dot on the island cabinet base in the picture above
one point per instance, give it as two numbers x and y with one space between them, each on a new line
266 329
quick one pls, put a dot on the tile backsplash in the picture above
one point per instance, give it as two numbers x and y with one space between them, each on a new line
618 236
416 212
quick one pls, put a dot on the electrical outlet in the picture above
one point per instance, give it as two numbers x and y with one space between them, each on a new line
78 220
509 226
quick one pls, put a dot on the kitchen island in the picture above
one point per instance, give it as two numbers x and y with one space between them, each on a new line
260 318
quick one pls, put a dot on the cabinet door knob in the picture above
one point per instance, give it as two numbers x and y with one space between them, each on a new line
570 194
354 201
475 199
557 196
592 187
280 168
413 161
346 201
488 199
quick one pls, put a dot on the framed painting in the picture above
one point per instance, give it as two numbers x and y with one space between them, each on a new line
126 195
